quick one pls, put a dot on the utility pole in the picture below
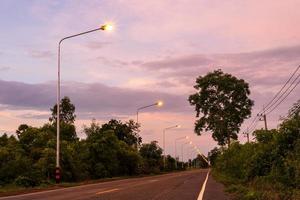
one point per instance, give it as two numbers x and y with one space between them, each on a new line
263 117
247 134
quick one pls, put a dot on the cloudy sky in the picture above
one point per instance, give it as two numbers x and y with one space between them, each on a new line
156 51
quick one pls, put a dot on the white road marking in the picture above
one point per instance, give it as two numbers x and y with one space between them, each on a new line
200 197
152 181
87 185
107 191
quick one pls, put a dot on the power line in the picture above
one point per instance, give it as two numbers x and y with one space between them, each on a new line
252 123
279 98
254 127
285 96
271 103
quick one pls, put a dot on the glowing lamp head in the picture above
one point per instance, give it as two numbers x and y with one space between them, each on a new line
160 103
107 27
178 126
191 142
187 137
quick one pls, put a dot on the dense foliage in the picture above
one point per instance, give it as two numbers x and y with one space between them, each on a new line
111 149
223 102
266 169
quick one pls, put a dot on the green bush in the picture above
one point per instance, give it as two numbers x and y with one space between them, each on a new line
24 181
266 169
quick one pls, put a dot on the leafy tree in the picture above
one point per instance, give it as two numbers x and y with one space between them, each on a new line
3 140
265 136
67 119
66 112
152 157
13 160
103 148
127 155
213 154
46 163
127 132
170 163
22 128
129 160
223 101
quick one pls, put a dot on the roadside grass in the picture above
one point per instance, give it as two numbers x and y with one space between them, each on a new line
12 189
259 189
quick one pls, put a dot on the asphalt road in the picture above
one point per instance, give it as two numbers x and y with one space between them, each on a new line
175 186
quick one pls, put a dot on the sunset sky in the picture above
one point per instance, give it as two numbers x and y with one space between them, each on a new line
156 51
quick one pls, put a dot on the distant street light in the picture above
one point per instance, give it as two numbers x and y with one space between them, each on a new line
180 138
182 150
190 152
199 152
106 27
164 133
159 104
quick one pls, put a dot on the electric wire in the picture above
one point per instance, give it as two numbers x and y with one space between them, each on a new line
284 97
272 104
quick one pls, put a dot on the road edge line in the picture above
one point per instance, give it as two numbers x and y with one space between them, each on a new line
200 197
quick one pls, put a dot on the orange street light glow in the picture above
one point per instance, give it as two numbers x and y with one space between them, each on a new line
160 103
107 27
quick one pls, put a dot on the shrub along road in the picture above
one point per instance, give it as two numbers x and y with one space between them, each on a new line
175 186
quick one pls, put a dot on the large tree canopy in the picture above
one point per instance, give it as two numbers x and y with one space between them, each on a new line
223 102
127 132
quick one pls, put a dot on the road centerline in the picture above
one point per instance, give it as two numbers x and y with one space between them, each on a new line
107 191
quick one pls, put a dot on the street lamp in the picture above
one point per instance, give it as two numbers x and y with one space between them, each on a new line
199 152
164 132
190 142
190 152
106 27
159 104
180 138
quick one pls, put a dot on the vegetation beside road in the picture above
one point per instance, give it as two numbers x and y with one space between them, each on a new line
268 168
113 149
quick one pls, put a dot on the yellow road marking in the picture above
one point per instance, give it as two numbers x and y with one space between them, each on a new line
107 191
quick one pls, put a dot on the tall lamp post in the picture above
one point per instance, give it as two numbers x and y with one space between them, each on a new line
106 27
182 150
159 103
164 133
180 138
190 152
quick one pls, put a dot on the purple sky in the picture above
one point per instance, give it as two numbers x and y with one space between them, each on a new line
155 53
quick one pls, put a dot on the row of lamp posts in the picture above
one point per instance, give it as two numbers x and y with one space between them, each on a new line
106 27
